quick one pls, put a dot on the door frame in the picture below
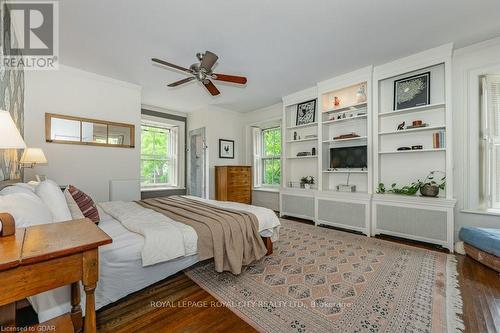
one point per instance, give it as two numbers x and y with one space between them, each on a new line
206 186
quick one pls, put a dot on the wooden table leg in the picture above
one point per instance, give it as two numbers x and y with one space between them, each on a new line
76 309
8 317
89 280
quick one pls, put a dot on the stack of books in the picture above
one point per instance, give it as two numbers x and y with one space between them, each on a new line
438 139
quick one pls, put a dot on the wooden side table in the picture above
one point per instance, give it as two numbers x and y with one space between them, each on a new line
45 257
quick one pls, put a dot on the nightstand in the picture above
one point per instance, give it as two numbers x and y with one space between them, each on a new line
45 257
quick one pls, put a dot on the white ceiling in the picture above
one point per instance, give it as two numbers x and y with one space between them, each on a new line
282 46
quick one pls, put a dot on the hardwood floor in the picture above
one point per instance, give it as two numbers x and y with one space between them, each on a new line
188 308
194 310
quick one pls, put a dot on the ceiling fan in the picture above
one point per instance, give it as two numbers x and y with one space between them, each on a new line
202 72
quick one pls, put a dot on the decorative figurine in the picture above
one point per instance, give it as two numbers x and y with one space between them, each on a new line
294 136
336 102
361 94
401 126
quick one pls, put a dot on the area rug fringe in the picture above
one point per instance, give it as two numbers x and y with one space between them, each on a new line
454 302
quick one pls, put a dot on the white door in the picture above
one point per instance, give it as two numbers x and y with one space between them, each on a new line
198 163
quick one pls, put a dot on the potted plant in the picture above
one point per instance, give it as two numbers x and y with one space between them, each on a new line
428 188
306 182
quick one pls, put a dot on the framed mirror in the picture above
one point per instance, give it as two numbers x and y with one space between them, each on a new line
85 131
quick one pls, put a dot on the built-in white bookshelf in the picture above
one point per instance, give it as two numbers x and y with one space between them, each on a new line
299 139
395 134
345 105
406 150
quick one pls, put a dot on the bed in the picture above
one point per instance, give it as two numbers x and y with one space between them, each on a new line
122 270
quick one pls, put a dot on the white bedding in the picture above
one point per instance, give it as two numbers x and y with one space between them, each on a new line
121 270
164 238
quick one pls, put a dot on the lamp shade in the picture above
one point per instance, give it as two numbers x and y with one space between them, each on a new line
33 156
10 138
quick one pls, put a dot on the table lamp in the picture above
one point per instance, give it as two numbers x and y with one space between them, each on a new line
10 138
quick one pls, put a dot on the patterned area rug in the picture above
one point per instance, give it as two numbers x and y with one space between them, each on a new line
324 280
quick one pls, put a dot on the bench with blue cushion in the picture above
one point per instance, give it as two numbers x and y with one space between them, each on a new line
487 243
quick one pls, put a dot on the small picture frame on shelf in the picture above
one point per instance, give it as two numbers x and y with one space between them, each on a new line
306 112
226 148
412 91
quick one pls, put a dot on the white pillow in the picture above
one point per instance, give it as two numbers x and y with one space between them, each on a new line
75 211
27 209
52 196
18 188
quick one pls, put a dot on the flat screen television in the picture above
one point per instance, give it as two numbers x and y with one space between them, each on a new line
348 157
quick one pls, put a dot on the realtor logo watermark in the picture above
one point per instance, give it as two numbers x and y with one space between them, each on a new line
29 35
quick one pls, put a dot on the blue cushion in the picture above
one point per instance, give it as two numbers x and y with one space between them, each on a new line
485 239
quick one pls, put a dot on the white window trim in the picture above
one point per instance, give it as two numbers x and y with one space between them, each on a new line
490 142
258 159
177 147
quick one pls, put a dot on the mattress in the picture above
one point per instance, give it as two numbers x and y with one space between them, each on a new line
269 223
484 239
122 259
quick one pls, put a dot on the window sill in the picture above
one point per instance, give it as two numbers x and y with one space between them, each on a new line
492 212
267 189
161 188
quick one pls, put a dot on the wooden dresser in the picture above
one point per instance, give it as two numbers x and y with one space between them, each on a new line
233 183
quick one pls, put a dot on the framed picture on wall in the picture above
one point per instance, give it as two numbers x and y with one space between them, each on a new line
226 148
306 112
412 91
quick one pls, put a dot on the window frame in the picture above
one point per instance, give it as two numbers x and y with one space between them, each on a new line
491 139
170 157
264 157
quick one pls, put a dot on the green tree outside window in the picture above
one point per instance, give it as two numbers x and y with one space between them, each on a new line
155 155
271 156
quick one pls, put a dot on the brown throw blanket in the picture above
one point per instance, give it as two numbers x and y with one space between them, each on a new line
229 236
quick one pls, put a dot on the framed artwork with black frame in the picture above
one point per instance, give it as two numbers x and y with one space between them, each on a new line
226 148
412 91
306 112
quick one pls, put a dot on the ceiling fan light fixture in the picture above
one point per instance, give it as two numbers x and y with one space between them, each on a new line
202 72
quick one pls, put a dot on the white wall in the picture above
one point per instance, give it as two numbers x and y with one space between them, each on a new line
259 118
468 64
70 91
220 124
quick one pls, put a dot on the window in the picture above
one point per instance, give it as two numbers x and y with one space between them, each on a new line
271 156
490 145
158 156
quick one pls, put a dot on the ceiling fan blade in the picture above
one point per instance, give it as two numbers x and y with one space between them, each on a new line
230 78
178 83
211 87
209 60
162 62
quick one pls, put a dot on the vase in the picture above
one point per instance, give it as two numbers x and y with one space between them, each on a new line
307 186
429 190
361 94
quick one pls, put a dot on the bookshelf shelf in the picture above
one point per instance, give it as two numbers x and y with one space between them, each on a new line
414 109
347 139
414 151
331 122
419 129
350 108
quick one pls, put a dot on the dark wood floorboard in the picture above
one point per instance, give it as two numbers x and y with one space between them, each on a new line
192 310
479 285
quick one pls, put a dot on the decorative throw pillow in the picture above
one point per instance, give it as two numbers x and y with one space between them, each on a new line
75 211
85 203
